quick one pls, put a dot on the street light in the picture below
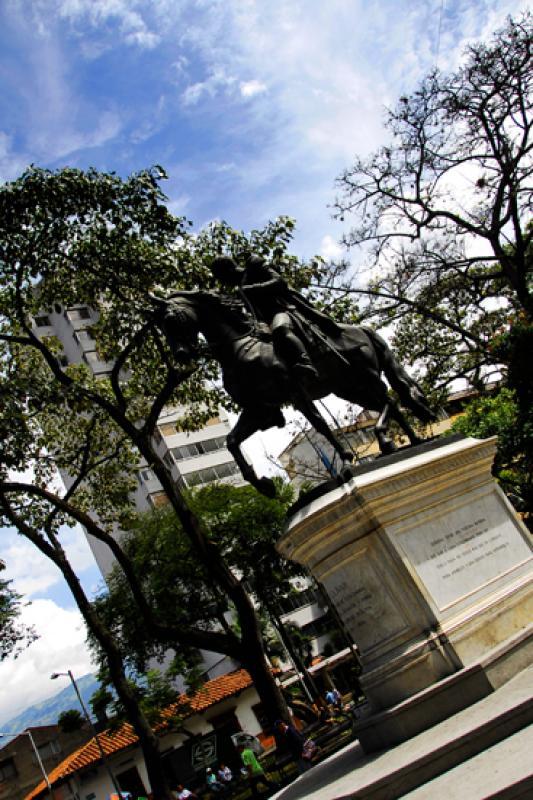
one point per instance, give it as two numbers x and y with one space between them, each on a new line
37 756
69 674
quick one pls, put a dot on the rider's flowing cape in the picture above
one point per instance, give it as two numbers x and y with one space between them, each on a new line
277 294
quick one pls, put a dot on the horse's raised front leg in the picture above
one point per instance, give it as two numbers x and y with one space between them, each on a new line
248 423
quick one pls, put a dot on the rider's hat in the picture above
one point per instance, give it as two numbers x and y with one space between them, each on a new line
224 268
253 260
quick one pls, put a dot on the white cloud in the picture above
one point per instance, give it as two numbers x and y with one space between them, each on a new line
31 572
251 88
178 205
26 680
330 249
218 80
132 25
58 121
11 163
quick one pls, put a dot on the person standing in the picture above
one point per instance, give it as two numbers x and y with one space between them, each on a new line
301 749
254 770
333 697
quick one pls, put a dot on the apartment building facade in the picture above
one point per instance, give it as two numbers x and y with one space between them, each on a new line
195 458
20 770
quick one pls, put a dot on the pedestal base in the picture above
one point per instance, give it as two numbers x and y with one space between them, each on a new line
431 572
446 697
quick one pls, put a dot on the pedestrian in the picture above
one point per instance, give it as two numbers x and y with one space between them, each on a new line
333 697
301 749
225 775
255 771
324 713
212 783
185 794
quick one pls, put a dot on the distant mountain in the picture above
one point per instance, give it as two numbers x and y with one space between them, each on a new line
47 712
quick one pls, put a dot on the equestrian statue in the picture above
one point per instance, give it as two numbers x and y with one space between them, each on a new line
276 349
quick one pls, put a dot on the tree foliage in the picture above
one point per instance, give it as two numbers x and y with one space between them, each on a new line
500 415
244 526
71 238
14 636
445 208
70 721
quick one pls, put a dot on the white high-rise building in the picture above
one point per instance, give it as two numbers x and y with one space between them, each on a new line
196 458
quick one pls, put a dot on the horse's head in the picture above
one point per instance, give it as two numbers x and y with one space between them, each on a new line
177 317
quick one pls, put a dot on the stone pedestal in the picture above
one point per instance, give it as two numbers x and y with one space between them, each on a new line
431 572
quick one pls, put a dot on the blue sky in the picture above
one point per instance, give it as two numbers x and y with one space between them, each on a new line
253 108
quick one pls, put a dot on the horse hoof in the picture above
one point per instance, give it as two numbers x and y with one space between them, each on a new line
388 448
346 473
266 486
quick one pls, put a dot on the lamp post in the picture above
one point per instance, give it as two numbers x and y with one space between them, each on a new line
37 756
105 762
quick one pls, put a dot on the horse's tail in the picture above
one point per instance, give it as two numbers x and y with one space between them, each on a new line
408 390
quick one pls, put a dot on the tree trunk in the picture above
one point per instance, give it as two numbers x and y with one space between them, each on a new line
148 741
270 694
253 656
255 661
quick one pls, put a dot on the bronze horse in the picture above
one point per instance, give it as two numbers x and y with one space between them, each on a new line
349 365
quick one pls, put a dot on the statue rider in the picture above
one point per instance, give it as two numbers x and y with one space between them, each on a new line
284 310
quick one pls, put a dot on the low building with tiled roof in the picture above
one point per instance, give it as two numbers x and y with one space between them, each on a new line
19 768
222 707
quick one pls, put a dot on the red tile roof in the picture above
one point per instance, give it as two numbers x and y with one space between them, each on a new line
211 693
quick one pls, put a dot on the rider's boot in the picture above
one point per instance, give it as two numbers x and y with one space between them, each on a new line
293 351
303 368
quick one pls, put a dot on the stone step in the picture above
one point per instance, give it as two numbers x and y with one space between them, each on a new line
502 772
457 740
354 775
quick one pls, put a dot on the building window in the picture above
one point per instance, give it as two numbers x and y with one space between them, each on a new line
262 716
83 335
226 723
77 314
92 357
214 473
198 448
48 749
42 321
297 600
158 499
146 475
168 428
7 769
318 627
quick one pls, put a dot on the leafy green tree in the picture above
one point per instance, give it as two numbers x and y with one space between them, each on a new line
444 210
14 636
70 721
244 526
499 415
71 238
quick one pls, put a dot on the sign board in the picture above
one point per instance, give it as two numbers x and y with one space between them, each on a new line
204 752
